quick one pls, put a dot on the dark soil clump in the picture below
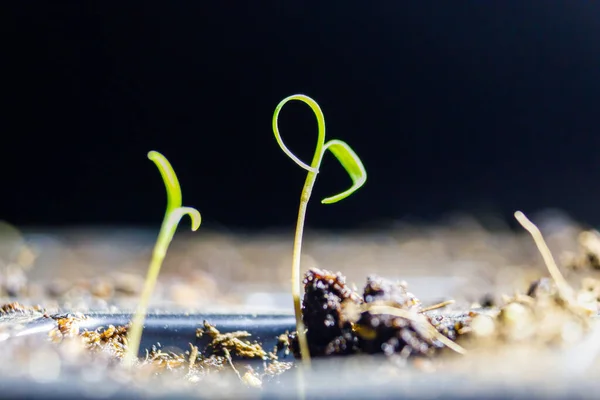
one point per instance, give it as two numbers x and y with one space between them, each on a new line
340 322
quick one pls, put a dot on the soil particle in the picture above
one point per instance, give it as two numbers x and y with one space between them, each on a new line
385 290
588 255
66 327
542 317
322 313
13 281
194 366
18 308
340 322
542 286
234 342
112 338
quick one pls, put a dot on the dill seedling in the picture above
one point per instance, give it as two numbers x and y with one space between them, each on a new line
173 215
353 166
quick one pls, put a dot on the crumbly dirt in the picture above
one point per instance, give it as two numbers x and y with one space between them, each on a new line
83 270
452 297
17 308
232 342
225 354
388 319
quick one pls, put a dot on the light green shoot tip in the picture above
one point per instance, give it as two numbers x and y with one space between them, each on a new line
353 166
341 150
169 178
172 217
355 169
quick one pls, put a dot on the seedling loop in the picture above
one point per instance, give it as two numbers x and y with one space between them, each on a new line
353 166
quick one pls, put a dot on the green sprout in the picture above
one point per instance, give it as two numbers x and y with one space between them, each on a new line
173 215
353 166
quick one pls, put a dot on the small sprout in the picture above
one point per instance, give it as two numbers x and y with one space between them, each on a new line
173 215
564 288
353 166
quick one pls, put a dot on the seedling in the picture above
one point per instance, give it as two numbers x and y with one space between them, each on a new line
173 215
564 289
353 166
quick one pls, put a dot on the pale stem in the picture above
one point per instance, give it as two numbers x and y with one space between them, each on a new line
134 335
296 281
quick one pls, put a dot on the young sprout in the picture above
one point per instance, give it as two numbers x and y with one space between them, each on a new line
353 166
564 289
173 215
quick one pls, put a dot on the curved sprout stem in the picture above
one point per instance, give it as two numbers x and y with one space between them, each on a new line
350 161
173 216
563 286
316 162
311 176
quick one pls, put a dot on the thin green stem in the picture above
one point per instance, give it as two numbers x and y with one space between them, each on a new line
353 166
296 257
134 335
311 176
297 284
165 236
173 215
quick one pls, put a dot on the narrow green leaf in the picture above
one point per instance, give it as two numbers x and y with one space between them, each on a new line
351 163
169 227
178 213
169 178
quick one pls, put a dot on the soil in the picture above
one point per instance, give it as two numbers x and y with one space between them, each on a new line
482 305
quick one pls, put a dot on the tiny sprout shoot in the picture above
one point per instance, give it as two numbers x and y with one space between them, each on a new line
173 215
563 286
353 166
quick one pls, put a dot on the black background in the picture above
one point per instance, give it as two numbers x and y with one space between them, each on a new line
463 105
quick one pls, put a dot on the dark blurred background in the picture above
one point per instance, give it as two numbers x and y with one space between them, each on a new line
481 107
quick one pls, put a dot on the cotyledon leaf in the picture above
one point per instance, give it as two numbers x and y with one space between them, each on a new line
170 179
351 163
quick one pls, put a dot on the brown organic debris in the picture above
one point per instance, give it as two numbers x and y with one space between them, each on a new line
232 342
544 316
67 326
588 256
382 318
388 319
18 308
112 339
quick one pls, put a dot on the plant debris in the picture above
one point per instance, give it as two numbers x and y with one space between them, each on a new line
232 342
388 319
67 327
383 317
111 338
18 308
195 364
341 322
588 256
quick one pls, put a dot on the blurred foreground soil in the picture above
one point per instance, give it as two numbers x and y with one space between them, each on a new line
92 269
